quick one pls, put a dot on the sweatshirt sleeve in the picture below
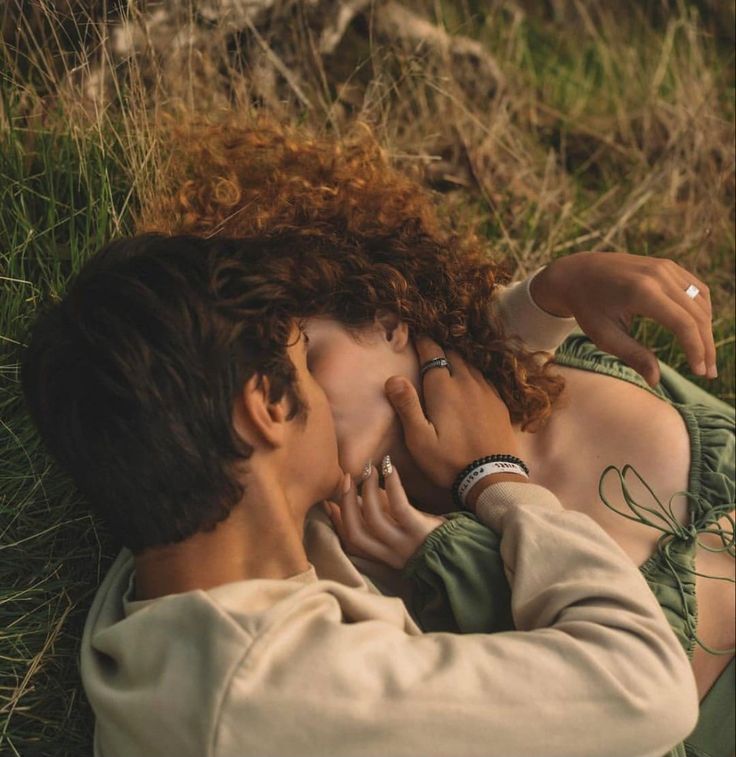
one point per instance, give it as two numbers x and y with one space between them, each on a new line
522 317
593 669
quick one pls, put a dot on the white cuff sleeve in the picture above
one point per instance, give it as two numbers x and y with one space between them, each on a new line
497 499
523 318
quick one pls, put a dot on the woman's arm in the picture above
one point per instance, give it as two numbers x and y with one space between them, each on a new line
455 580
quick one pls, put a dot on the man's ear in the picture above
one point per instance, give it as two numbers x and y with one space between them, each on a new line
259 421
393 330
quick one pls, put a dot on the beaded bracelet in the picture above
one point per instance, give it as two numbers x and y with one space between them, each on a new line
484 466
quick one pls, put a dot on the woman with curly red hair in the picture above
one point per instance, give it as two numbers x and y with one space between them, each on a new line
378 267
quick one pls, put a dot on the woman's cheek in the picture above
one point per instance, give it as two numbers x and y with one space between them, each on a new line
361 416
350 453
358 443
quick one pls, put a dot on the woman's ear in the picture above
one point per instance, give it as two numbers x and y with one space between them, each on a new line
259 421
393 330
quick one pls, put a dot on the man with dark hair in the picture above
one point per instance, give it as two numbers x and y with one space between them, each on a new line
131 381
172 383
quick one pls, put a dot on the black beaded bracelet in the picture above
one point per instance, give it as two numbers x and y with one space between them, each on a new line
476 464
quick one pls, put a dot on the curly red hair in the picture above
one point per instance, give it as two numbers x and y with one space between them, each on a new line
373 240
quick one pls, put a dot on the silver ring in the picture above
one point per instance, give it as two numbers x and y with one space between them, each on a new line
436 362
692 291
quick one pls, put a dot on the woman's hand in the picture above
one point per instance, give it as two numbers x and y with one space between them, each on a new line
380 525
465 417
605 290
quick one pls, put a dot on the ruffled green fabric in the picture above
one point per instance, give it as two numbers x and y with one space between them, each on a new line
458 580
714 734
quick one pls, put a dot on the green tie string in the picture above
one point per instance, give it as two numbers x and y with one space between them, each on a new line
705 519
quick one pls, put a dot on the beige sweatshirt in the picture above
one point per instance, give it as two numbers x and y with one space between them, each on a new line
522 317
322 664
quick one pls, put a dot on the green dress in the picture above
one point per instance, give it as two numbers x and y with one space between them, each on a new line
451 588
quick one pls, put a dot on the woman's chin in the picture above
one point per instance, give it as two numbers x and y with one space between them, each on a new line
383 438
353 461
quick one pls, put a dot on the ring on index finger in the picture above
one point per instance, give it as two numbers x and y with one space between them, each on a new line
436 362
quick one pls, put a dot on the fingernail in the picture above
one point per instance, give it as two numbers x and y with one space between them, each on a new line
699 369
347 482
712 372
386 467
367 468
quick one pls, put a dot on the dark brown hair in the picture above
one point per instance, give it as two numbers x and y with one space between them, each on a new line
131 378
383 242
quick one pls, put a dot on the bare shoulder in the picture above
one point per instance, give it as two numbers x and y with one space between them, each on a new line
605 421
602 421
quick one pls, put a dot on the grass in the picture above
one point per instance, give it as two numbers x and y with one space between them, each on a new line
51 553
612 129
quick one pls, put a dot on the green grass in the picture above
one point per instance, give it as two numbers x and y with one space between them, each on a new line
52 555
613 132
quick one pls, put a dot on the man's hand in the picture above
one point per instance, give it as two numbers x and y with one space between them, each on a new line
604 291
465 419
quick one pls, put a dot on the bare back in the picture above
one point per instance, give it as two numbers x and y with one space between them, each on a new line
601 421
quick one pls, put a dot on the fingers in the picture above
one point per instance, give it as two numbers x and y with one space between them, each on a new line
436 382
335 514
333 511
381 525
615 340
357 526
617 286
443 393
657 289
356 536
399 504
661 295
460 369
375 515
442 385
680 319
427 349
699 307
418 430
413 525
